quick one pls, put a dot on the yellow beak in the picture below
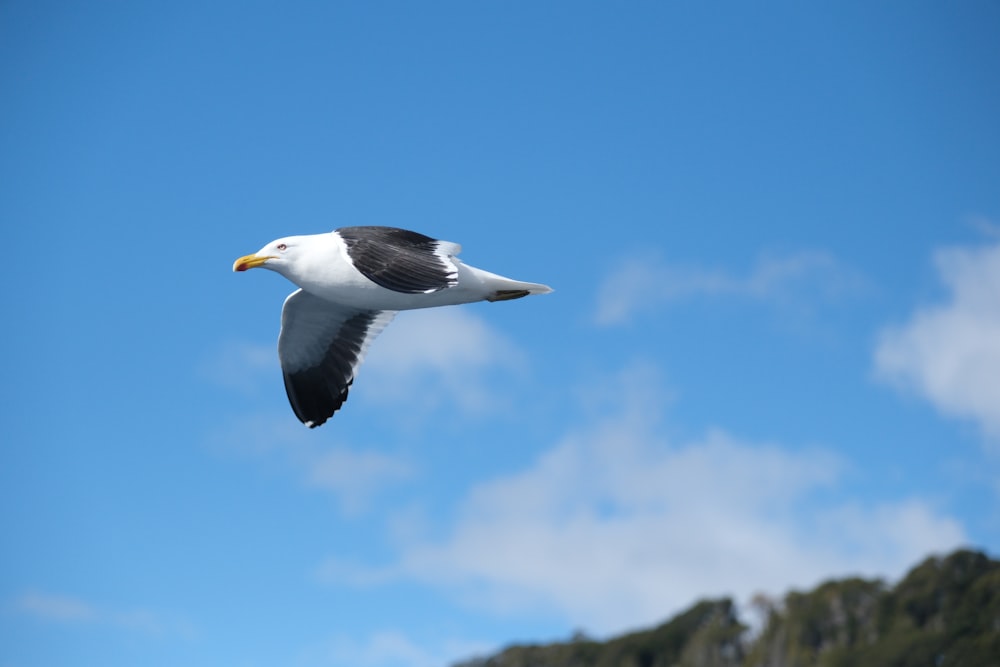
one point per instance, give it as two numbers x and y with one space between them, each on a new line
250 262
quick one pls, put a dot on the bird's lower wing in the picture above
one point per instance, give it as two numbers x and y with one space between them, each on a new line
320 347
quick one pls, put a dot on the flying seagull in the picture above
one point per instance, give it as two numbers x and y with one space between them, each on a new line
352 282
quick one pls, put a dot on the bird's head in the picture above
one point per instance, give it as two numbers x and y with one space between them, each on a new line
276 255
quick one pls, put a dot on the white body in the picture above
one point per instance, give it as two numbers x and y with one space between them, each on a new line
322 267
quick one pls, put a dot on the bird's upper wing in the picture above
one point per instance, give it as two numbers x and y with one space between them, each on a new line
401 260
320 348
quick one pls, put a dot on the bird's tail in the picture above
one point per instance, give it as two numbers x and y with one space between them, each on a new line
505 289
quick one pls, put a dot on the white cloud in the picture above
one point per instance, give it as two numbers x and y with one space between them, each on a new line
67 609
425 360
615 527
428 357
55 607
390 648
353 476
241 366
645 283
949 353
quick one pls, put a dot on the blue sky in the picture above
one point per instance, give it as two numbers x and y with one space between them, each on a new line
772 355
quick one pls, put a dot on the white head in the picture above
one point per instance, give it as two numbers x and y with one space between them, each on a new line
278 255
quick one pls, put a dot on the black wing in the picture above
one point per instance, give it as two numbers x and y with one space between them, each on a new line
320 348
400 260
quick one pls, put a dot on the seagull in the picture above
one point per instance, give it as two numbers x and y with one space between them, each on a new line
352 282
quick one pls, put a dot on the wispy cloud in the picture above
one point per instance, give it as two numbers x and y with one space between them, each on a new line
425 361
429 358
391 648
616 526
56 607
354 476
647 282
241 366
68 609
949 352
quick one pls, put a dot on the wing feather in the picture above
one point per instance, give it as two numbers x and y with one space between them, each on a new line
320 347
401 260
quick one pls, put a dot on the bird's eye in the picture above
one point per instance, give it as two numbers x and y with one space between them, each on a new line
282 246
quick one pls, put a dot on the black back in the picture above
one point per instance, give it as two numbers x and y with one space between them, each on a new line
398 259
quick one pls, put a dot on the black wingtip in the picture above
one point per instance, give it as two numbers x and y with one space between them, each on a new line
312 398
317 392
508 294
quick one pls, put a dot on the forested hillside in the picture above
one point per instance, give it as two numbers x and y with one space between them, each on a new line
944 613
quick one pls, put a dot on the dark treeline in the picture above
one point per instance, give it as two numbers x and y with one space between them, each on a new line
944 613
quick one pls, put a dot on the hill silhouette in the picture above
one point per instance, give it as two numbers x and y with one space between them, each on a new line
944 613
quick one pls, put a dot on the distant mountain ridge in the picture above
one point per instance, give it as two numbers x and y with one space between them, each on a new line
944 613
